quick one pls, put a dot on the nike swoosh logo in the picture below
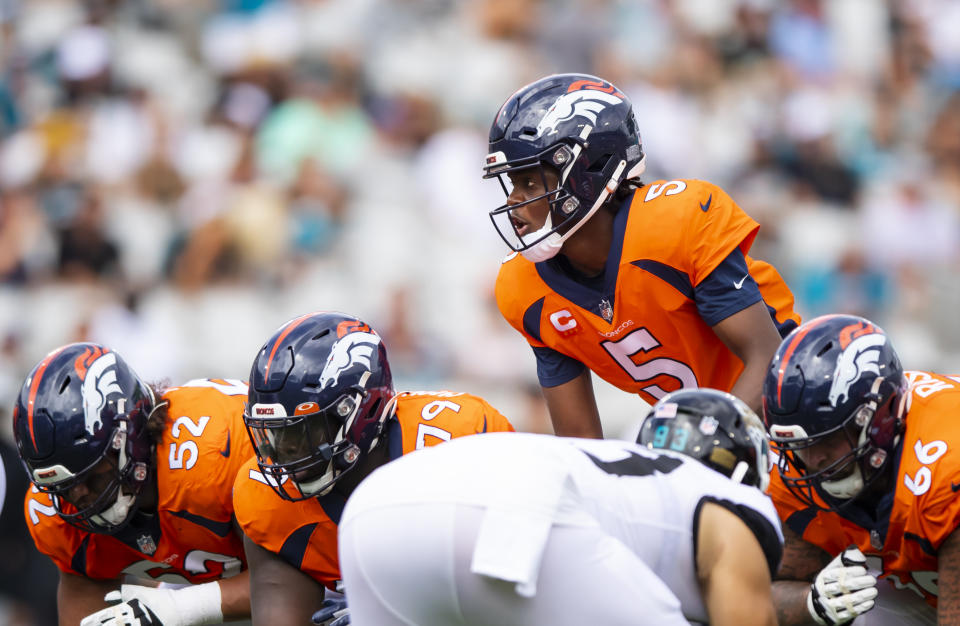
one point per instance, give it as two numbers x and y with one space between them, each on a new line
739 283
226 450
706 205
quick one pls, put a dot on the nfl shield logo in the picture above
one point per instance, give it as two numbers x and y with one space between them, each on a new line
708 425
146 544
606 310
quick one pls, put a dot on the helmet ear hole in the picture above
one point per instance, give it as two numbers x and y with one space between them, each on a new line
375 409
599 164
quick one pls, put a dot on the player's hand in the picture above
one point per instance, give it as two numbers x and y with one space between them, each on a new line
842 590
159 606
334 609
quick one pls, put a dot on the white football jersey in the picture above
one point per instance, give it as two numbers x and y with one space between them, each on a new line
647 499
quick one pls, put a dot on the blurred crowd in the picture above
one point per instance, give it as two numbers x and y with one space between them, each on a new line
177 178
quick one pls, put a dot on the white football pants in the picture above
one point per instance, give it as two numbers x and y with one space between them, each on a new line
410 564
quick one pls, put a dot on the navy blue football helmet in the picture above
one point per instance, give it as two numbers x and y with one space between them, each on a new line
714 427
580 127
320 395
80 424
836 376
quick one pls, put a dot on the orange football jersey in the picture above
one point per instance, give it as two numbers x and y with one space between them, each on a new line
925 509
304 533
192 538
647 336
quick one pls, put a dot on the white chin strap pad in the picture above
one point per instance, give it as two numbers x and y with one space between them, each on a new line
312 487
546 249
118 512
550 246
845 488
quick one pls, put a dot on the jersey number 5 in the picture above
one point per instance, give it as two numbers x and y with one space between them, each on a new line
641 340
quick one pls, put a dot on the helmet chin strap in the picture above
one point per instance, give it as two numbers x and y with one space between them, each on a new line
851 485
546 249
312 487
551 244
324 484
845 488
117 512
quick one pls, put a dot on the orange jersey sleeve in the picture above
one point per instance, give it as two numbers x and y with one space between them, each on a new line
643 331
925 509
304 533
191 539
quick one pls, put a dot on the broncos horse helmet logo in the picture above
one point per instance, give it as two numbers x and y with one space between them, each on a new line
352 349
861 355
100 381
583 102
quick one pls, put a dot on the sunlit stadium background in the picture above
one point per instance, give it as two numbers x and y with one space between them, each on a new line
180 177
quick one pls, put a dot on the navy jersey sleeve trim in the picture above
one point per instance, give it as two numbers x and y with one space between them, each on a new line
923 542
555 368
220 529
79 561
670 275
394 438
295 547
728 289
799 520
531 319
784 328
767 536
333 504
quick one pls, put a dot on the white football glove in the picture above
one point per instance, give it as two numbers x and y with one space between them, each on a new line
160 606
843 589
